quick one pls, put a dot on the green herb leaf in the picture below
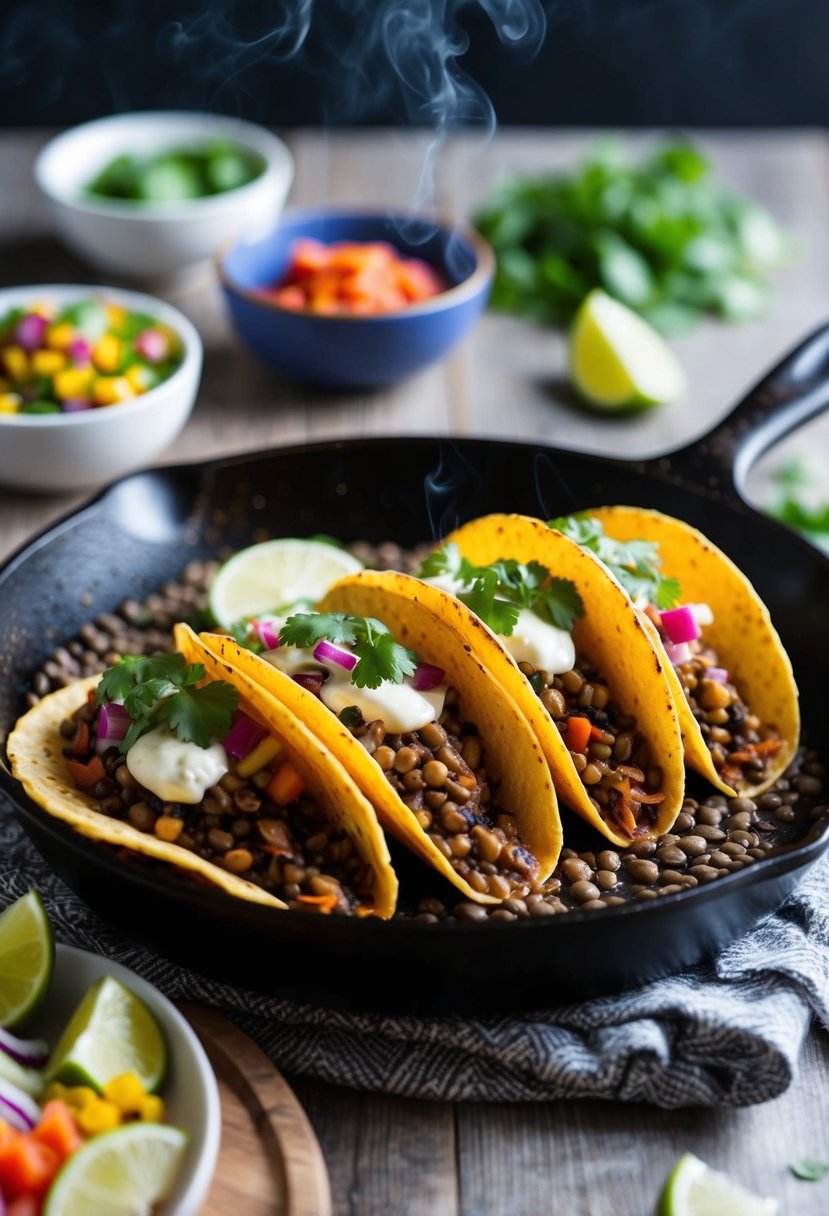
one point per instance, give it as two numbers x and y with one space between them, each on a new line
810 1169
305 629
382 660
636 564
499 614
199 714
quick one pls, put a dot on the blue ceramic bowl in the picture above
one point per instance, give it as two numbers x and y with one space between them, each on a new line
356 351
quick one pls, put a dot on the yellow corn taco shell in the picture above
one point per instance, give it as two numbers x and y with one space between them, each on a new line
609 632
514 758
742 634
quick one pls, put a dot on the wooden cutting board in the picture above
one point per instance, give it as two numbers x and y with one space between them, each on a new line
270 1163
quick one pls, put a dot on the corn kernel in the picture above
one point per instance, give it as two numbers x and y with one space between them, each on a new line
139 377
116 316
98 1116
108 353
151 1109
10 403
109 390
80 1096
259 757
60 335
125 1092
47 362
16 361
73 382
54 1090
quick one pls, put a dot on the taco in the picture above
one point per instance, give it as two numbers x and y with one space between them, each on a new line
566 644
732 679
429 736
189 762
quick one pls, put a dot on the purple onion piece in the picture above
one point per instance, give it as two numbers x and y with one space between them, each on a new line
113 724
678 653
310 680
427 677
243 737
17 1108
680 624
327 652
31 1053
152 344
717 673
268 633
74 405
80 350
30 331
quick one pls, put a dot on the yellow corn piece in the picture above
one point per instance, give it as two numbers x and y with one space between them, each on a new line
47 362
73 382
107 353
109 390
98 1116
79 1096
55 1090
151 1109
139 377
10 403
59 336
125 1092
17 362
116 316
261 755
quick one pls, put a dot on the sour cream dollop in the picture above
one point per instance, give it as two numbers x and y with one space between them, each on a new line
173 770
400 706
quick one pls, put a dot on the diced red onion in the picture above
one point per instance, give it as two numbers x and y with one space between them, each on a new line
243 737
80 350
113 724
716 673
152 344
427 677
310 680
31 1053
680 624
679 652
267 632
327 652
30 331
17 1108
74 405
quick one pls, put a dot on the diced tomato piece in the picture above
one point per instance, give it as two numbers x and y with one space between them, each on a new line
7 1134
27 1167
308 256
88 775
58 1130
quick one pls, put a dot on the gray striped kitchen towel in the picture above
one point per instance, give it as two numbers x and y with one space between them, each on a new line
725 1034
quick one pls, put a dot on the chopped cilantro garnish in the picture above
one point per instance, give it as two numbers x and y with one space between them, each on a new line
382 660
635 563
497 592
160 689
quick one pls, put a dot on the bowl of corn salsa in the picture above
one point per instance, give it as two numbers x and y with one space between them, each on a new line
93 382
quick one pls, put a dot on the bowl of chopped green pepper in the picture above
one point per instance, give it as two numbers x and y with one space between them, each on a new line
148 195
93 382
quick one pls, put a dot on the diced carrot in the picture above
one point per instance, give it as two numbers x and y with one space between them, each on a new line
58 1130
578 734
7 1134
286 785
325 903
88 775
27 1167
308 255
25 1205
80 743
596 732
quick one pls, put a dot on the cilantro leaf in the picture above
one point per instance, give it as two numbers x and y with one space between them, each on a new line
636 564
810 1169
499 614
562 602
117 680
305 629
382 660
199 714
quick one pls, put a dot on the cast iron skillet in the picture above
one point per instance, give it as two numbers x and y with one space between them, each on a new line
143 530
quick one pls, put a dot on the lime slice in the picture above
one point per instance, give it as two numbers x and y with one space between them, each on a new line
120 1173
27 954
617 361
265 577
110 1033
694 1189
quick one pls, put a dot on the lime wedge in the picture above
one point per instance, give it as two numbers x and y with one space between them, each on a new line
617 361
694 1189
27 954
110 1033
265 577
120 1173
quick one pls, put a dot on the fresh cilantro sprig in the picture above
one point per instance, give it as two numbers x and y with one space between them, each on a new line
635 563
382 660
497 592
160 690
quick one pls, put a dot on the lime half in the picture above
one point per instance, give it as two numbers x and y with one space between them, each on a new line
110 1033
694 1189
27 955
265 577
120 1173
617 361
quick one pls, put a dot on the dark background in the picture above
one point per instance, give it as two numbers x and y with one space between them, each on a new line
602 62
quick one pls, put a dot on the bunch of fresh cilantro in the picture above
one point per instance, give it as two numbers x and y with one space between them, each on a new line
661 236
635 564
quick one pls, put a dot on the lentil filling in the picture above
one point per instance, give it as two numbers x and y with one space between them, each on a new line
291 851
609 754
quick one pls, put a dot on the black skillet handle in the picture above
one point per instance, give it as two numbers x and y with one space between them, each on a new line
796 390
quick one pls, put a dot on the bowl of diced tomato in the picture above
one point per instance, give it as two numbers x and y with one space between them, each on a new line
353 300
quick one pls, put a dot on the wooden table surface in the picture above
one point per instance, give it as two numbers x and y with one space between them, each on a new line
394 1157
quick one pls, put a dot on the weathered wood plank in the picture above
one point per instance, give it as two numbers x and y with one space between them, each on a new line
385 1156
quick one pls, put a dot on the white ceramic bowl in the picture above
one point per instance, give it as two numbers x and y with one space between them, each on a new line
154 240
57 452
191 1096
